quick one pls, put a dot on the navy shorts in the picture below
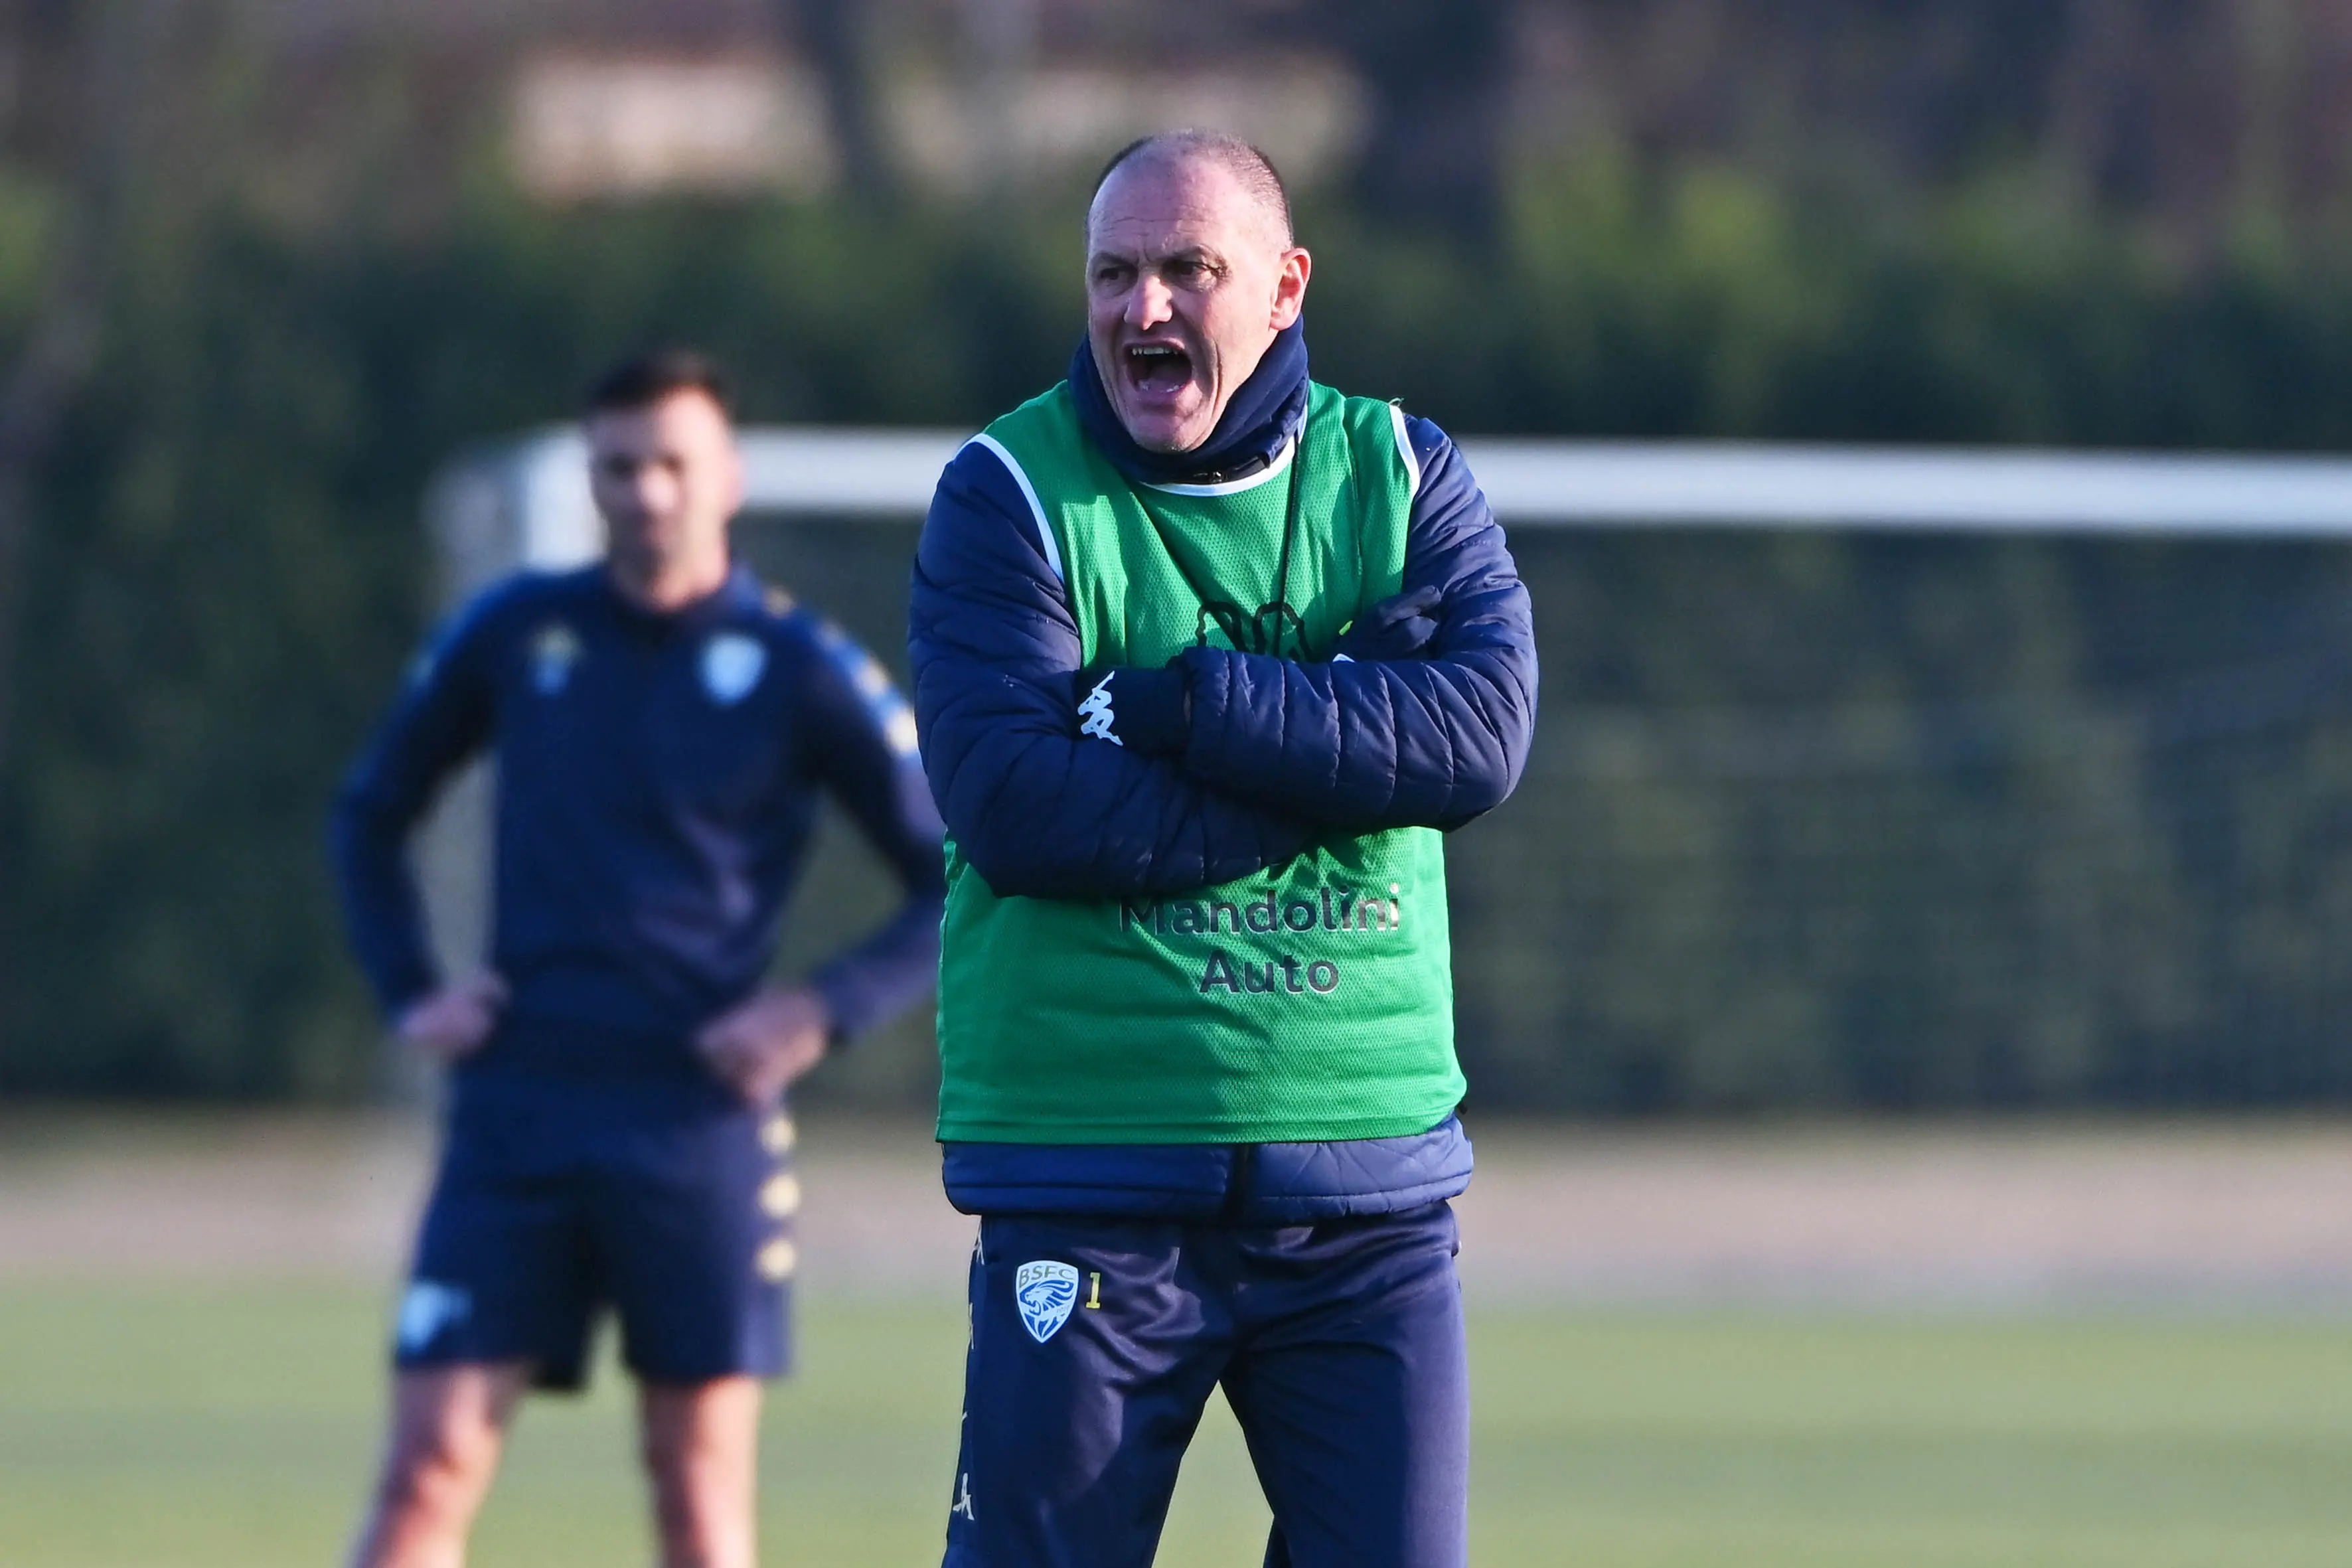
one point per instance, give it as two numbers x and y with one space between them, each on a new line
663 1197
1094 1343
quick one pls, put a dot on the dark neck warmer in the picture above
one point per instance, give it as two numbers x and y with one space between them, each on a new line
1264 412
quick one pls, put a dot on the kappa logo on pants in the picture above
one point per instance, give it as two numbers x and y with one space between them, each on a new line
1044 1291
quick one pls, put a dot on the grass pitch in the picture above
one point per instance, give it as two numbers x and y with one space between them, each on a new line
154 1426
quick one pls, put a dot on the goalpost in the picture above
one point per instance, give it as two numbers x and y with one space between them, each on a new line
1717 903
526 502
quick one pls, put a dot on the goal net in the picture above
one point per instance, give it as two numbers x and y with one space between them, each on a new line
1863 780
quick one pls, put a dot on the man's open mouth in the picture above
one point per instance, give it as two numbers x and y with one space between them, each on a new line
1157 368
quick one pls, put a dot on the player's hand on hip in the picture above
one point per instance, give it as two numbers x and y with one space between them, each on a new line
457 1020
763 1045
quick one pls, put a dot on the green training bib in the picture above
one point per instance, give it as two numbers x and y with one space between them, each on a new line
1310 1001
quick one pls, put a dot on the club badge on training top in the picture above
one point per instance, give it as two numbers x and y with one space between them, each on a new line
732 664
1044 1291
554 649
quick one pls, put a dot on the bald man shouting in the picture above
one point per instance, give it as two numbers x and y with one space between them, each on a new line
1207 657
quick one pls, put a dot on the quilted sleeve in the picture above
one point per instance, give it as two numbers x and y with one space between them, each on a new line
1430 740
1038 810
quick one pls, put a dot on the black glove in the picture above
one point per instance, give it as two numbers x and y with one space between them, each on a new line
1399 627
1146 711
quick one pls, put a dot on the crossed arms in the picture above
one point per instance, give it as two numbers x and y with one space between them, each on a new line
1274 753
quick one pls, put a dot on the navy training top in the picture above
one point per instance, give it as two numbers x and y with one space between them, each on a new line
657 778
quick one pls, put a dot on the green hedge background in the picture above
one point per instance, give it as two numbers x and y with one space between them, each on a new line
228 568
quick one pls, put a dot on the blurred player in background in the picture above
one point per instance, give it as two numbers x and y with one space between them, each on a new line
1205 654
662 726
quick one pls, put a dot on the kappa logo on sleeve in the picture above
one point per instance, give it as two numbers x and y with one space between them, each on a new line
427 1308
1044 1291
1096 715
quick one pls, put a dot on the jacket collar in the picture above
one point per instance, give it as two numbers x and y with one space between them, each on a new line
741 590
1264 413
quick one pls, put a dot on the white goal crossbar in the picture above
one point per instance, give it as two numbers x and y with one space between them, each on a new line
526 502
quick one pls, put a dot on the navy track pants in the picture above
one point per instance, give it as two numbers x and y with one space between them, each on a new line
1095 1343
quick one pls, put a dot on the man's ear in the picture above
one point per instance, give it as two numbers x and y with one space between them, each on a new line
734 481
1290 288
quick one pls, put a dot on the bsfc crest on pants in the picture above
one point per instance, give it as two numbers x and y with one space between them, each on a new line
429 1306
1044 1291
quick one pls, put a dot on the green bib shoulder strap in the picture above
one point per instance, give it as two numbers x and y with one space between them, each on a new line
1350 461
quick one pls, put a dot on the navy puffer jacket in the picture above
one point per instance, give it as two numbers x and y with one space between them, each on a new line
1260 755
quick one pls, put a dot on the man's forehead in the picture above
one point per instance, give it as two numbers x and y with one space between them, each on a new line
685 417
1160 207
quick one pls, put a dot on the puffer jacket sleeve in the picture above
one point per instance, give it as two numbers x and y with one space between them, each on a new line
1428 742
1038 811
